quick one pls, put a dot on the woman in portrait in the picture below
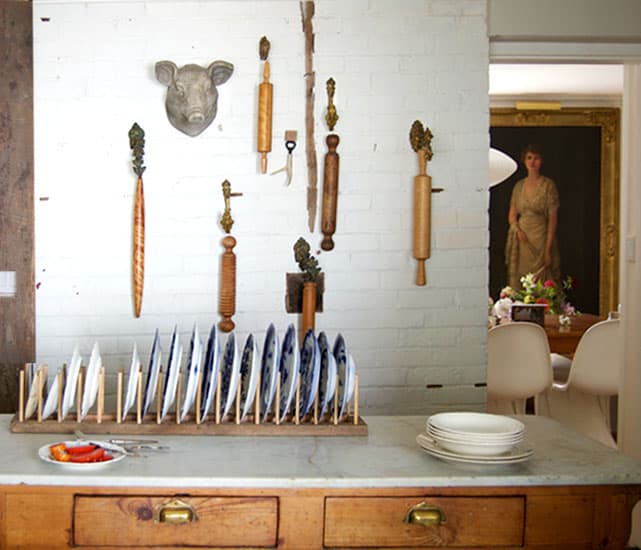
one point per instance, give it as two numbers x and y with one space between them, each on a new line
533 216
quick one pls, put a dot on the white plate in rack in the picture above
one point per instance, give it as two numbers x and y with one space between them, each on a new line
210 372
91 382
519 453
289 365
249 368
269 370
152 374
173 369
52 397
132 382
71 382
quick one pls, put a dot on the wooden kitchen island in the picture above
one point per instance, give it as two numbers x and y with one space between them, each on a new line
320 492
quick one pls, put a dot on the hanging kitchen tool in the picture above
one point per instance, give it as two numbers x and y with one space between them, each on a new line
307 13
290 145
421 142
227 298
330 180
265 96
137 145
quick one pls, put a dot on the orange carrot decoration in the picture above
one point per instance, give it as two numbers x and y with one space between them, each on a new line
137 144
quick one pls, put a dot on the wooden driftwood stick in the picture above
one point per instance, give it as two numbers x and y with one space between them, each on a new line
137 145
307 13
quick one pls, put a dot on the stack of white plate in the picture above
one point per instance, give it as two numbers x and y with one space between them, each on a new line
475 437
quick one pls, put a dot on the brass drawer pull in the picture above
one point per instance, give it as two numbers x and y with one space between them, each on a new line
426 515
176 512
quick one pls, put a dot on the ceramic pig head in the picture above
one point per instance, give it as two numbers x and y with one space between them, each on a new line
192 94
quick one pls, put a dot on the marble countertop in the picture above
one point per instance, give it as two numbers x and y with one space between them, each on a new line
388 457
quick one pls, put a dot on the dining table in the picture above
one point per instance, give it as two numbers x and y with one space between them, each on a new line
564 340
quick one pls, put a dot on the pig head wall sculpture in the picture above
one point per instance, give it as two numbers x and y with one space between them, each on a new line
192 94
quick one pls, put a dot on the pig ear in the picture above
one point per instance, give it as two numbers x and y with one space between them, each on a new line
166 72
220 71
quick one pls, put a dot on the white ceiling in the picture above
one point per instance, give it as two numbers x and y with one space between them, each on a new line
506 79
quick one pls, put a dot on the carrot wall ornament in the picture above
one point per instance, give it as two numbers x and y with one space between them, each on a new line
227 299
137 145
265 98
421 142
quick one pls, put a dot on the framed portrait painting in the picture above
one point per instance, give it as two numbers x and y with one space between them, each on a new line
581 154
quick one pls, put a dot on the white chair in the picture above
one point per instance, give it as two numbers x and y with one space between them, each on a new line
518 357
583 402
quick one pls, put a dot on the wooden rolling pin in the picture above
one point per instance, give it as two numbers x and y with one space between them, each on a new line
330 192
227 301
421 142
265 96
227 297
422 215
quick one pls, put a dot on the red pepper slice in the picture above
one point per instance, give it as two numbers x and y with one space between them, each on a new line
92 456
80 449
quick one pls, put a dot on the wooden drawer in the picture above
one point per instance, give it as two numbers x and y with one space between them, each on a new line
151 521
465 521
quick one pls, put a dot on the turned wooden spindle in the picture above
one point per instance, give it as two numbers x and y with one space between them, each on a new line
330 192
227 301
422 215
309 307
265 98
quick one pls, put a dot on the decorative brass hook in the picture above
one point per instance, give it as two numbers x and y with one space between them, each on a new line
226 221
332 116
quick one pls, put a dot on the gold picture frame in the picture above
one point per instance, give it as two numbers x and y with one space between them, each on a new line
608 120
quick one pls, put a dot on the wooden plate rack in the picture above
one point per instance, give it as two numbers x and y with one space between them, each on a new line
312 424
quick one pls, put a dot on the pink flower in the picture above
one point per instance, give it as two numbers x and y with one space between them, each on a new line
549 284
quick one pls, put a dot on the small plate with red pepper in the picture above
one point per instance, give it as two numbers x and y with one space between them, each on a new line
81 455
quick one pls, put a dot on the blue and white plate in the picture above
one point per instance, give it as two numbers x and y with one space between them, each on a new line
289 365
72 381
91 382
327 383
193 366
341 356
309 372
210 372
249 366
230 367
151 384
173 369
269 370
132 382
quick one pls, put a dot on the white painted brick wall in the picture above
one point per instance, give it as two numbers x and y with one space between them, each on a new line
393 62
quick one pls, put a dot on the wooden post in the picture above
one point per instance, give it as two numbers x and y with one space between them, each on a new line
257 400
227 296
277 404
61 377
198 396
356 400
21 391
238 389
297 404
218 382
119 397
79 392
336 404
101 394
159 396
139 399
179 387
